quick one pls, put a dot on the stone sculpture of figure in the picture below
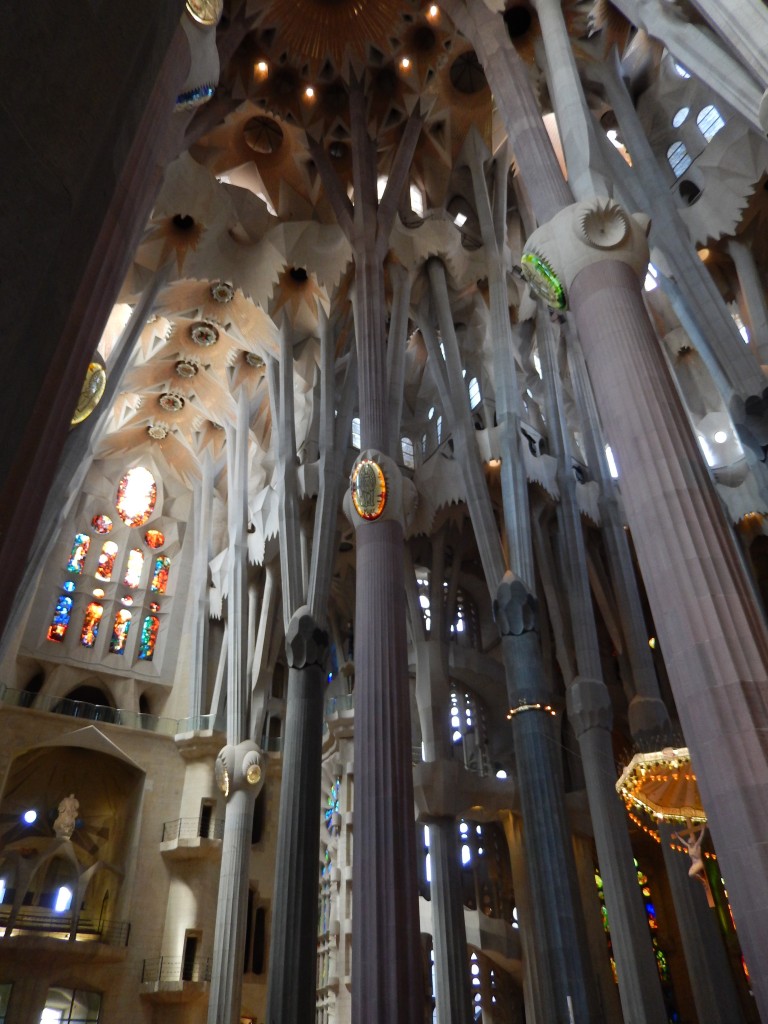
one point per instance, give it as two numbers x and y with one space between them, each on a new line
64 825
693 838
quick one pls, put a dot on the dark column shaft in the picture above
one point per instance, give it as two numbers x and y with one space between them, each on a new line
454 997
293 955
386 955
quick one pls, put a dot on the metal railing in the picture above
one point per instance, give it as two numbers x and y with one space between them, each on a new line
175 968
193 828
42 922
103 713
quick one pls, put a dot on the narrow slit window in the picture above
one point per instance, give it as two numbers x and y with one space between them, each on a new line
406 447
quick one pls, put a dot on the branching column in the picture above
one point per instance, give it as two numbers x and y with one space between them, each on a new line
238 769
293 955
387 975
711 632
590 713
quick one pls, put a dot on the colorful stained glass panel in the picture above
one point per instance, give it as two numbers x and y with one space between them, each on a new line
154 538
90 629
120 632
76 561
133 568
101 523
107 561
148 637
160 574
136 496
60 620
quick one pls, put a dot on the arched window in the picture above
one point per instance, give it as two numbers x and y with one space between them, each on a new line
80 547
148 638
160 574
120 632
406 447
60 621
90 630
680 116
709 121
439 429
106 561
133 568
356 432
678 158
474 393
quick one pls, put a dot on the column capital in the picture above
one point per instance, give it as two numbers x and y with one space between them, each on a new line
378 491
240 767
515 609
306 644
582 234
589 705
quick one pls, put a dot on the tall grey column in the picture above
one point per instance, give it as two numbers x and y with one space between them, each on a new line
293 953
203 501
453 995
712 983
539 777
590 713
711 631
754 306
238 768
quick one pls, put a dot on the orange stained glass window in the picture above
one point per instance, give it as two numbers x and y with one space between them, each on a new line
160 574
107 561
90 629
120 632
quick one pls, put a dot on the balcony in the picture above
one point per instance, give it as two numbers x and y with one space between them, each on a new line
192 839
37 929
102 713
167 979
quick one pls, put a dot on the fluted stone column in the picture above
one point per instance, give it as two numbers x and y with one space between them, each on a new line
537 758
386 953
753 305
711 631
239 777
453 995
293 952
712 983
590 713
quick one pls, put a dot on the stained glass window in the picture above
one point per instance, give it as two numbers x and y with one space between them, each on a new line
126 600
332 810
136 496
148 637
107 561
133 568
69 586
120 632
60 620
101 523
90 629
160 574
76 561
154 538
